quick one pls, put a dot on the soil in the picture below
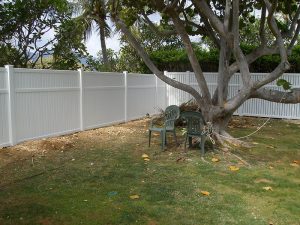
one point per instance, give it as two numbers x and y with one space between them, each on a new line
49 146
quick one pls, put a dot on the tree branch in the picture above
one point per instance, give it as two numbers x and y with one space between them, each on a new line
240 58
274 28
206 11
137 46
284 64
161 33
291 97
262 32
253 56
293 24
191 55
203 30
294 39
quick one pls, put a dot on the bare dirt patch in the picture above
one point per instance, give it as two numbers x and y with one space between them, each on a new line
53 145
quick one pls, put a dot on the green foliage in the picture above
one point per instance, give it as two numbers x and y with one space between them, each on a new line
69 48
152 43
24 24
284 83
8 56
177 60
97 63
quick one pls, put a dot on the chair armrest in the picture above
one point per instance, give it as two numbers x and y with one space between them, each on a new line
169 120
151 122
154 120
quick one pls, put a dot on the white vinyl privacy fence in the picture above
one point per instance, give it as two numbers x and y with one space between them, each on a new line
41 103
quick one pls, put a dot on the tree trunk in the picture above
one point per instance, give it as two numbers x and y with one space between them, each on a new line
103 43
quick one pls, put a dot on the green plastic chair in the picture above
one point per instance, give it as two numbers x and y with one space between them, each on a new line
171 114
194 128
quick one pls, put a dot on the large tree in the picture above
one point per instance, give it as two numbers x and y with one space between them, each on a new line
220 21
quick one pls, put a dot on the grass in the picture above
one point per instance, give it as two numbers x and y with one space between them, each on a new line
91 182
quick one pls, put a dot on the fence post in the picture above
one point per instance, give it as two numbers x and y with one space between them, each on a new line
125 95
11 104
156 93
166 91
81 91
188 82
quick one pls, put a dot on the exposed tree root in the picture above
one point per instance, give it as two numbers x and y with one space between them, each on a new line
239 158
202 158
227 142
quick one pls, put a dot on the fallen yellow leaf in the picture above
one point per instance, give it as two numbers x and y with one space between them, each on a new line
133 197
206 193
268 188
294 164
145 156
296 161
234 168
215 160
271 167
270 146
146 159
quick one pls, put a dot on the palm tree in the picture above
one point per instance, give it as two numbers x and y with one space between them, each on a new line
93 12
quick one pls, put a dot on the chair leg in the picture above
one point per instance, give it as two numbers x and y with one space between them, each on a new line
190 142
149 138
163 139
203 137
213 147
186 137
166 141
175 138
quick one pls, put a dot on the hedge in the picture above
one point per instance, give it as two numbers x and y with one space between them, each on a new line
177 60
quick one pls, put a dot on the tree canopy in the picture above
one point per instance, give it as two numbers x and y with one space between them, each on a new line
27 38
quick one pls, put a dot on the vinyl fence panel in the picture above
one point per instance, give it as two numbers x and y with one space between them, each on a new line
161 94
174 95
141 95
46 103
103 99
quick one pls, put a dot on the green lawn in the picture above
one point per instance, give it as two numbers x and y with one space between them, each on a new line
91 180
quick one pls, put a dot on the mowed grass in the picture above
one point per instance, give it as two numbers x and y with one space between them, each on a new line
92 182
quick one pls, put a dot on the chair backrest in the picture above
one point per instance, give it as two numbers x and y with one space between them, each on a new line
194 122
172 113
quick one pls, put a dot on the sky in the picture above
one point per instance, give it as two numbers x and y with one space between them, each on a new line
93 43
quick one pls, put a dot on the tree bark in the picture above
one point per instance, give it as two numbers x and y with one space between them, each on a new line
102 42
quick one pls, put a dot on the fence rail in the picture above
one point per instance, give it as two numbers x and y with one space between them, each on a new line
42 103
